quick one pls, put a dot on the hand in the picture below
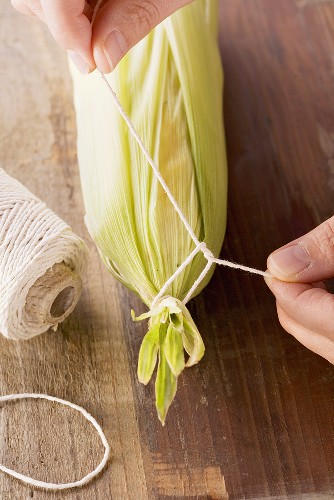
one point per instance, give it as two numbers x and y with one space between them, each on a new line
305 308
118 26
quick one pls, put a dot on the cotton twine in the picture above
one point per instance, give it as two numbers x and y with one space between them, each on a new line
41 264
41 267
59 486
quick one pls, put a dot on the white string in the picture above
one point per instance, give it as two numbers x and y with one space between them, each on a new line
56 486
175 275
198 281
33 240
200 246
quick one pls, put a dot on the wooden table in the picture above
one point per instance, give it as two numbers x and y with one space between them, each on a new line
255 418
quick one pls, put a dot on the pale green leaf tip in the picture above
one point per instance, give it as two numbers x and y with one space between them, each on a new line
162 411
162 418
176 371
143 380
141 316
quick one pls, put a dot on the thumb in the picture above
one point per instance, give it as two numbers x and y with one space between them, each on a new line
307 259
120 24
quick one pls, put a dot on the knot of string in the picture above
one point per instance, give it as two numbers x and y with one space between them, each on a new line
206 252
200 246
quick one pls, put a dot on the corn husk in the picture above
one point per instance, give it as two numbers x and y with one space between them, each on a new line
170 85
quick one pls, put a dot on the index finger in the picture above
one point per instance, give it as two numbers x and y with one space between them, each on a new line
314 341
71 29
308 304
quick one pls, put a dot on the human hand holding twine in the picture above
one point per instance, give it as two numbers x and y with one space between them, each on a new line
305 308
118 26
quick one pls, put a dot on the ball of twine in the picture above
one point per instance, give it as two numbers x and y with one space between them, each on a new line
41 264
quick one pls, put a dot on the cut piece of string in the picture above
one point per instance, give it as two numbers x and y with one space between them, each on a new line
199 246
56 486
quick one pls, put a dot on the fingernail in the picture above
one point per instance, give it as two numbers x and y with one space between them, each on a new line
289 261
79 62
114 48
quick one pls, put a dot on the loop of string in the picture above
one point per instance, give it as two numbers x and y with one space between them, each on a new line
60 486
199 246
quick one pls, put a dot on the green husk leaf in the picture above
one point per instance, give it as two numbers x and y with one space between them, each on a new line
148 354
173 349
193 343
165 387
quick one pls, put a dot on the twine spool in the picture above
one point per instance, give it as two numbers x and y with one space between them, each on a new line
41 264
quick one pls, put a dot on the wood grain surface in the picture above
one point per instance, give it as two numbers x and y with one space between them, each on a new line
255 418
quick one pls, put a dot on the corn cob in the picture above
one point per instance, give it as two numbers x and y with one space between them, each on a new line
170 85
